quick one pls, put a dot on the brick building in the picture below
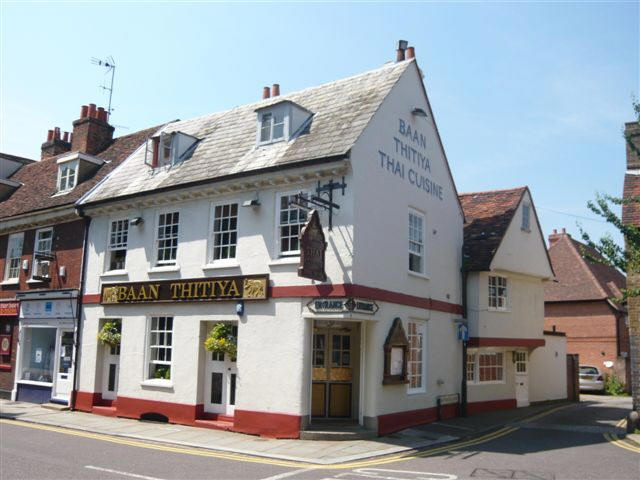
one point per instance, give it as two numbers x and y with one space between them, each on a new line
579 303
631 215
41 254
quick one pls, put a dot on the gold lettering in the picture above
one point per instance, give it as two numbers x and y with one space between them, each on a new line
153 291
233 289
187 291
142 294
221 285
203 290
212 286
122 293
132 294
174 290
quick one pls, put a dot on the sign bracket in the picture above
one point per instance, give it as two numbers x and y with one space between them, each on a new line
302 201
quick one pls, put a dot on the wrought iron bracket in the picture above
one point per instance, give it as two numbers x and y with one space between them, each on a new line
302 201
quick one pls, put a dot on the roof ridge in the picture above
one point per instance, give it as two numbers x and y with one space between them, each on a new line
500 190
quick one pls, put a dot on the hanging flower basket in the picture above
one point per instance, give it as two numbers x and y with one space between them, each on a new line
221 340
110 333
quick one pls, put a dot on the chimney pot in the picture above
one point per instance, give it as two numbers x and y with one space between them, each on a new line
265 93
564 230
102 114
56 133
65 137
411 52
84 111
92 110
275 90
49 135
399 55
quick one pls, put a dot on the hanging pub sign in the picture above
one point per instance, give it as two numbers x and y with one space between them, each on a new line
5 344
241 287
312 249
343 305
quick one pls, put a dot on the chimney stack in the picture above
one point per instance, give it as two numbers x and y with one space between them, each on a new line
555 236
632 135
91 132
411 53
402 46
54 145
275 90
265 93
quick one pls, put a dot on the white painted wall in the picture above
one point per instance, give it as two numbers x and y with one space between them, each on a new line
523 251
483 392
548 370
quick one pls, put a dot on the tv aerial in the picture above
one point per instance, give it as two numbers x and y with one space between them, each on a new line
110 67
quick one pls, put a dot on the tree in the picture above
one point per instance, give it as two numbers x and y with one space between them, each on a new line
625 258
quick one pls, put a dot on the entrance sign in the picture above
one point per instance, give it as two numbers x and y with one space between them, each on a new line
343 305
213 289
9 309
312 249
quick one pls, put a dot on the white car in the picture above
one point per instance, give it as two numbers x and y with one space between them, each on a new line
591 379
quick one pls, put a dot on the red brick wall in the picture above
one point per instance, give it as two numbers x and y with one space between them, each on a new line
7 376
593 332
67 246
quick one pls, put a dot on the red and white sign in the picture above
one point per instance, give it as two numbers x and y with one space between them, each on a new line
5 344
9 309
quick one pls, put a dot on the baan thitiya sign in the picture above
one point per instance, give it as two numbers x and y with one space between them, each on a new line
244 287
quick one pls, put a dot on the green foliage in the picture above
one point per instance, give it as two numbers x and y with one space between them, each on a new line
221 340
613 385
163 372
110 333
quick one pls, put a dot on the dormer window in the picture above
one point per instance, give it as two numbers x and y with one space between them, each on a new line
67 175
169 148
281 121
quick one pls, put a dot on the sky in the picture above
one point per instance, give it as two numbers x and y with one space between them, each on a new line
523 93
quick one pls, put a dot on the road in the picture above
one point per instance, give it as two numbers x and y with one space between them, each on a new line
566 444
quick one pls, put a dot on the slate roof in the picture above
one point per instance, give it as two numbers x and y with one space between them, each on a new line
39 178
578 278
487 217
341 110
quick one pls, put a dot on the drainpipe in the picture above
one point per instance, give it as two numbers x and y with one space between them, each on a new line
74 392
463 386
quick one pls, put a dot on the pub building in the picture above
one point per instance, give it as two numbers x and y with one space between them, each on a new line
280 265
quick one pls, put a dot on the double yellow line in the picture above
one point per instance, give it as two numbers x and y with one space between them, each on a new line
268 461
613 438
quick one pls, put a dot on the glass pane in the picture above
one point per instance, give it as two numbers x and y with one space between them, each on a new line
216 387
38 352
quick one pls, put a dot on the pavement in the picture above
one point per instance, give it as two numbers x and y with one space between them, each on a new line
319 452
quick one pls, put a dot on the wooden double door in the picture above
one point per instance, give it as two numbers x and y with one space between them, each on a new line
332 378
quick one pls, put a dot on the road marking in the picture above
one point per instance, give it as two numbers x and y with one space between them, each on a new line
614 440
287 474
406 474
118 472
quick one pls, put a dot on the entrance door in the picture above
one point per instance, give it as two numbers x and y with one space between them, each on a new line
331 389
110 370
221 375
64 374
522 379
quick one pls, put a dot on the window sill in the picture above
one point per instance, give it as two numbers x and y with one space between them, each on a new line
114 273
164 268
32 281
33 382
11 281
294 260
221 264
5 368
416 391
156 382
499 310
423 276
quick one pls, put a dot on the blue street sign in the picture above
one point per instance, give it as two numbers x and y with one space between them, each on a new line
463 333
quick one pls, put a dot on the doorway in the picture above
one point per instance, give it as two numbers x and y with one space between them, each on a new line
110 371
64 369
221 374
522 378
335 367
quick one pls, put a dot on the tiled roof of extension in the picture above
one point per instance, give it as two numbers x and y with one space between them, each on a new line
39 179
487 216
578 278
341 110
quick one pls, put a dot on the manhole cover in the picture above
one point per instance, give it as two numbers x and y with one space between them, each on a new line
504 473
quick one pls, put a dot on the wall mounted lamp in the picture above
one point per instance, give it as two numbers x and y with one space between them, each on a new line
418 112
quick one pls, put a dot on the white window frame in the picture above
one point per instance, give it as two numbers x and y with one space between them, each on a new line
156 242
147 378
505 306
121 246
13 238
476 372
278 235
74 164
526 226
272 126
423 256
520 358
471 366
35 250
421 326
212 233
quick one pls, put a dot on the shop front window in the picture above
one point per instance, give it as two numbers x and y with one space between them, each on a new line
38 354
